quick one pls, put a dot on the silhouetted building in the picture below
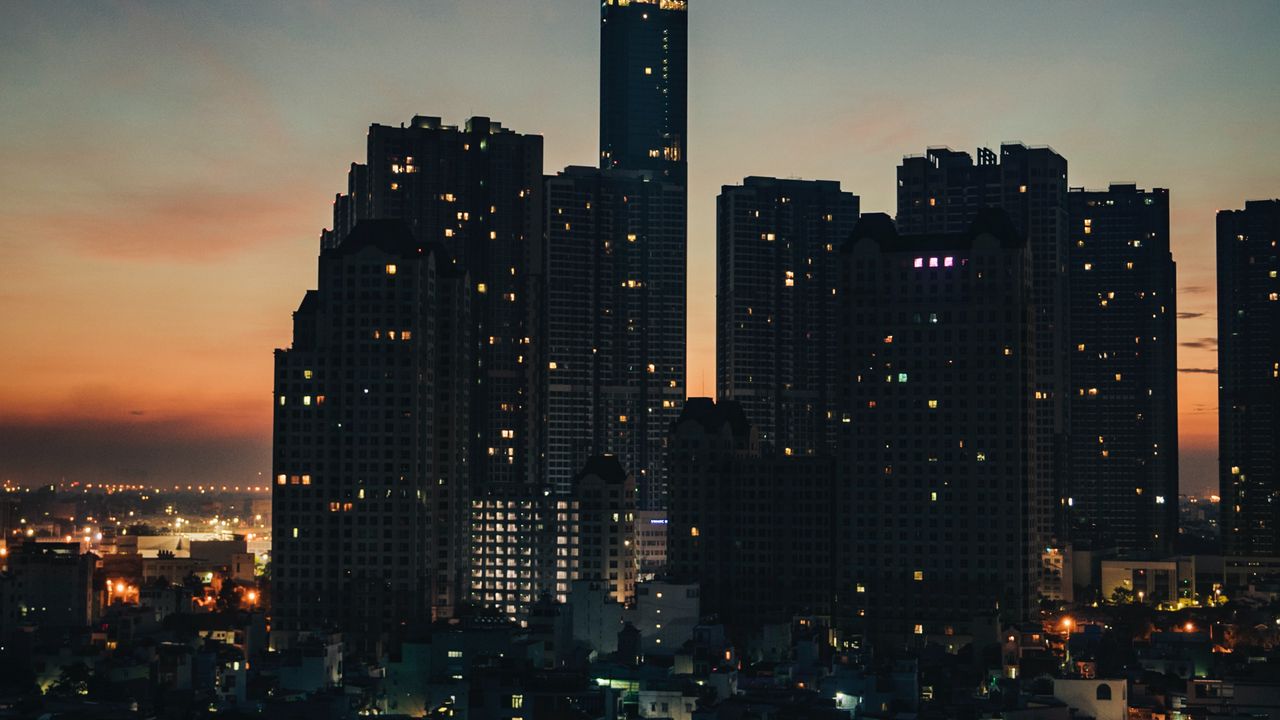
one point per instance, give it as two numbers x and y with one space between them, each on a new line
615 323
477 191
943 190
1123 458
755 528
944 512
644 60
49 586
371 442
776 306
1249 378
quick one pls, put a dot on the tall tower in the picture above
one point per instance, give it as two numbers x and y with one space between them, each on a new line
777 246
615 324
1249 378
644 58
614 363
1123 392
943 190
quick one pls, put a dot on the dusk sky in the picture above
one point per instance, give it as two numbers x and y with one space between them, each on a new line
166 169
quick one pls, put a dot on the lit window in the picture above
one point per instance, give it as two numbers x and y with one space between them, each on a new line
918 576
517 701
306 374
482 288
933 262
552 365
455 653
902 377
391 269
981 456
919 629
1022 188
860 588
1088 266
948 262
919 262
933 404
306 400
648 71
693 532
282 400
281 479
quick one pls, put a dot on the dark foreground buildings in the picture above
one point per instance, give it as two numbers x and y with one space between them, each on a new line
944 509
477 192
943 190
1249 378
755 528
371 440
1123 450
777 242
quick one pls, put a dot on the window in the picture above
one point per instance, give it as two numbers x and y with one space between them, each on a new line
391 269
1104 692
517 701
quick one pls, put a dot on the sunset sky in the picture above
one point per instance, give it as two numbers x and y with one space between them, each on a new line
166 168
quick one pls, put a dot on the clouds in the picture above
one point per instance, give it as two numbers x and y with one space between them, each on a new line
1204 343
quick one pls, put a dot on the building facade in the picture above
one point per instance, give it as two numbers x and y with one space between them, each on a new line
644 86
1249 378
370 448
946 512
530 545
754 528
615 323
477 192
1123 457
943 190
776 306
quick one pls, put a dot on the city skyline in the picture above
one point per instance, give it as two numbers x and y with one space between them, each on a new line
149 179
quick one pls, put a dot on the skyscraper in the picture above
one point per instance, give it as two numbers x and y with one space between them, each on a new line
776 306
613 375
1123 455
477 191
947 513
1249 378
943 190
615 322
370 449
644 86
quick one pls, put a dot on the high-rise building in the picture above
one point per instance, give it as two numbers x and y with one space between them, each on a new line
644 60
371 442
615 323
754 527
477 191
1249 378
1123 456
943 190
528 545
946 512
776 306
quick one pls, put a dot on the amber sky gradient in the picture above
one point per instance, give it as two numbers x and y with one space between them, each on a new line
165 168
